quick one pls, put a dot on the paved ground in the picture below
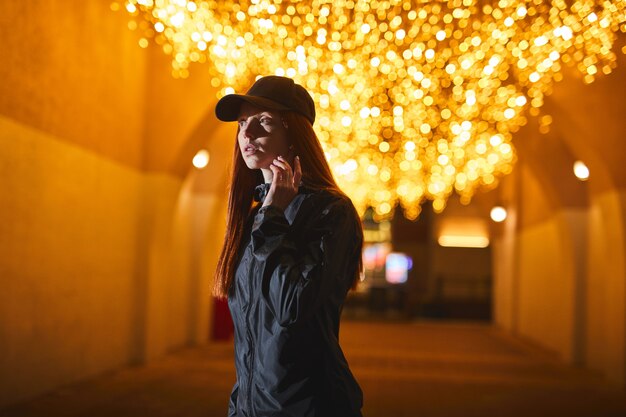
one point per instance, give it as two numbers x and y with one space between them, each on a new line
421 369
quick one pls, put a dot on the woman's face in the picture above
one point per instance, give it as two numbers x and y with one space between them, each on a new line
262 136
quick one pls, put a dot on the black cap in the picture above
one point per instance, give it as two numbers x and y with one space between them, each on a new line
271 92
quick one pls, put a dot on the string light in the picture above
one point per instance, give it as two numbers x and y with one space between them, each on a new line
415 101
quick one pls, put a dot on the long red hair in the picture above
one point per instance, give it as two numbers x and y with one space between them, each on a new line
316 174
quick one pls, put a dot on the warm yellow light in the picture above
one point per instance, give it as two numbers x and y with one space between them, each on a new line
581 171
456 241
454 78
498 214
201 159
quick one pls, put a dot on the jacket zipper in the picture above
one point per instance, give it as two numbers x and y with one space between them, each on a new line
252 350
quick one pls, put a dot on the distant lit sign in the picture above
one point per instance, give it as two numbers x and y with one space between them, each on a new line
374 256
397 267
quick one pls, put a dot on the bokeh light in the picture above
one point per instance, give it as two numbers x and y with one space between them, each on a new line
498 214
415 100
581 171
201 159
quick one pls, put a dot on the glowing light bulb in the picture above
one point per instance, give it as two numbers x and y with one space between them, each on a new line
498 214
581 171
201 159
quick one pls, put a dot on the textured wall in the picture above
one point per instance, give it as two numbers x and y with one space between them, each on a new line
72 69
96 242
560 269
545 291
560 274
606 285
69 243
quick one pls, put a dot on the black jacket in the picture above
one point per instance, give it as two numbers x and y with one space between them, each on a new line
294 271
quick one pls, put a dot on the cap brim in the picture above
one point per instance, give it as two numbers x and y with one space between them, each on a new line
227 108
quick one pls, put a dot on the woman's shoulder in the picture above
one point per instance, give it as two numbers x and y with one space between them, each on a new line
331 201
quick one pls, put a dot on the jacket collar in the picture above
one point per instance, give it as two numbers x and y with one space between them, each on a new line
260 191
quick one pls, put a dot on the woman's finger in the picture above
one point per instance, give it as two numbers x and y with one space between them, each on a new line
280 161
284 169
297 176
276 173
279 176
282 189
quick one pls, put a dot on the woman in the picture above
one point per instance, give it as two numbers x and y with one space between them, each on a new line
288 261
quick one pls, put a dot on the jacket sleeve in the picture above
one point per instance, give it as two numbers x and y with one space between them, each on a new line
232 402
301 272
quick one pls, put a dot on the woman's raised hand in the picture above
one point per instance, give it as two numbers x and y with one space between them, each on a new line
285 182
